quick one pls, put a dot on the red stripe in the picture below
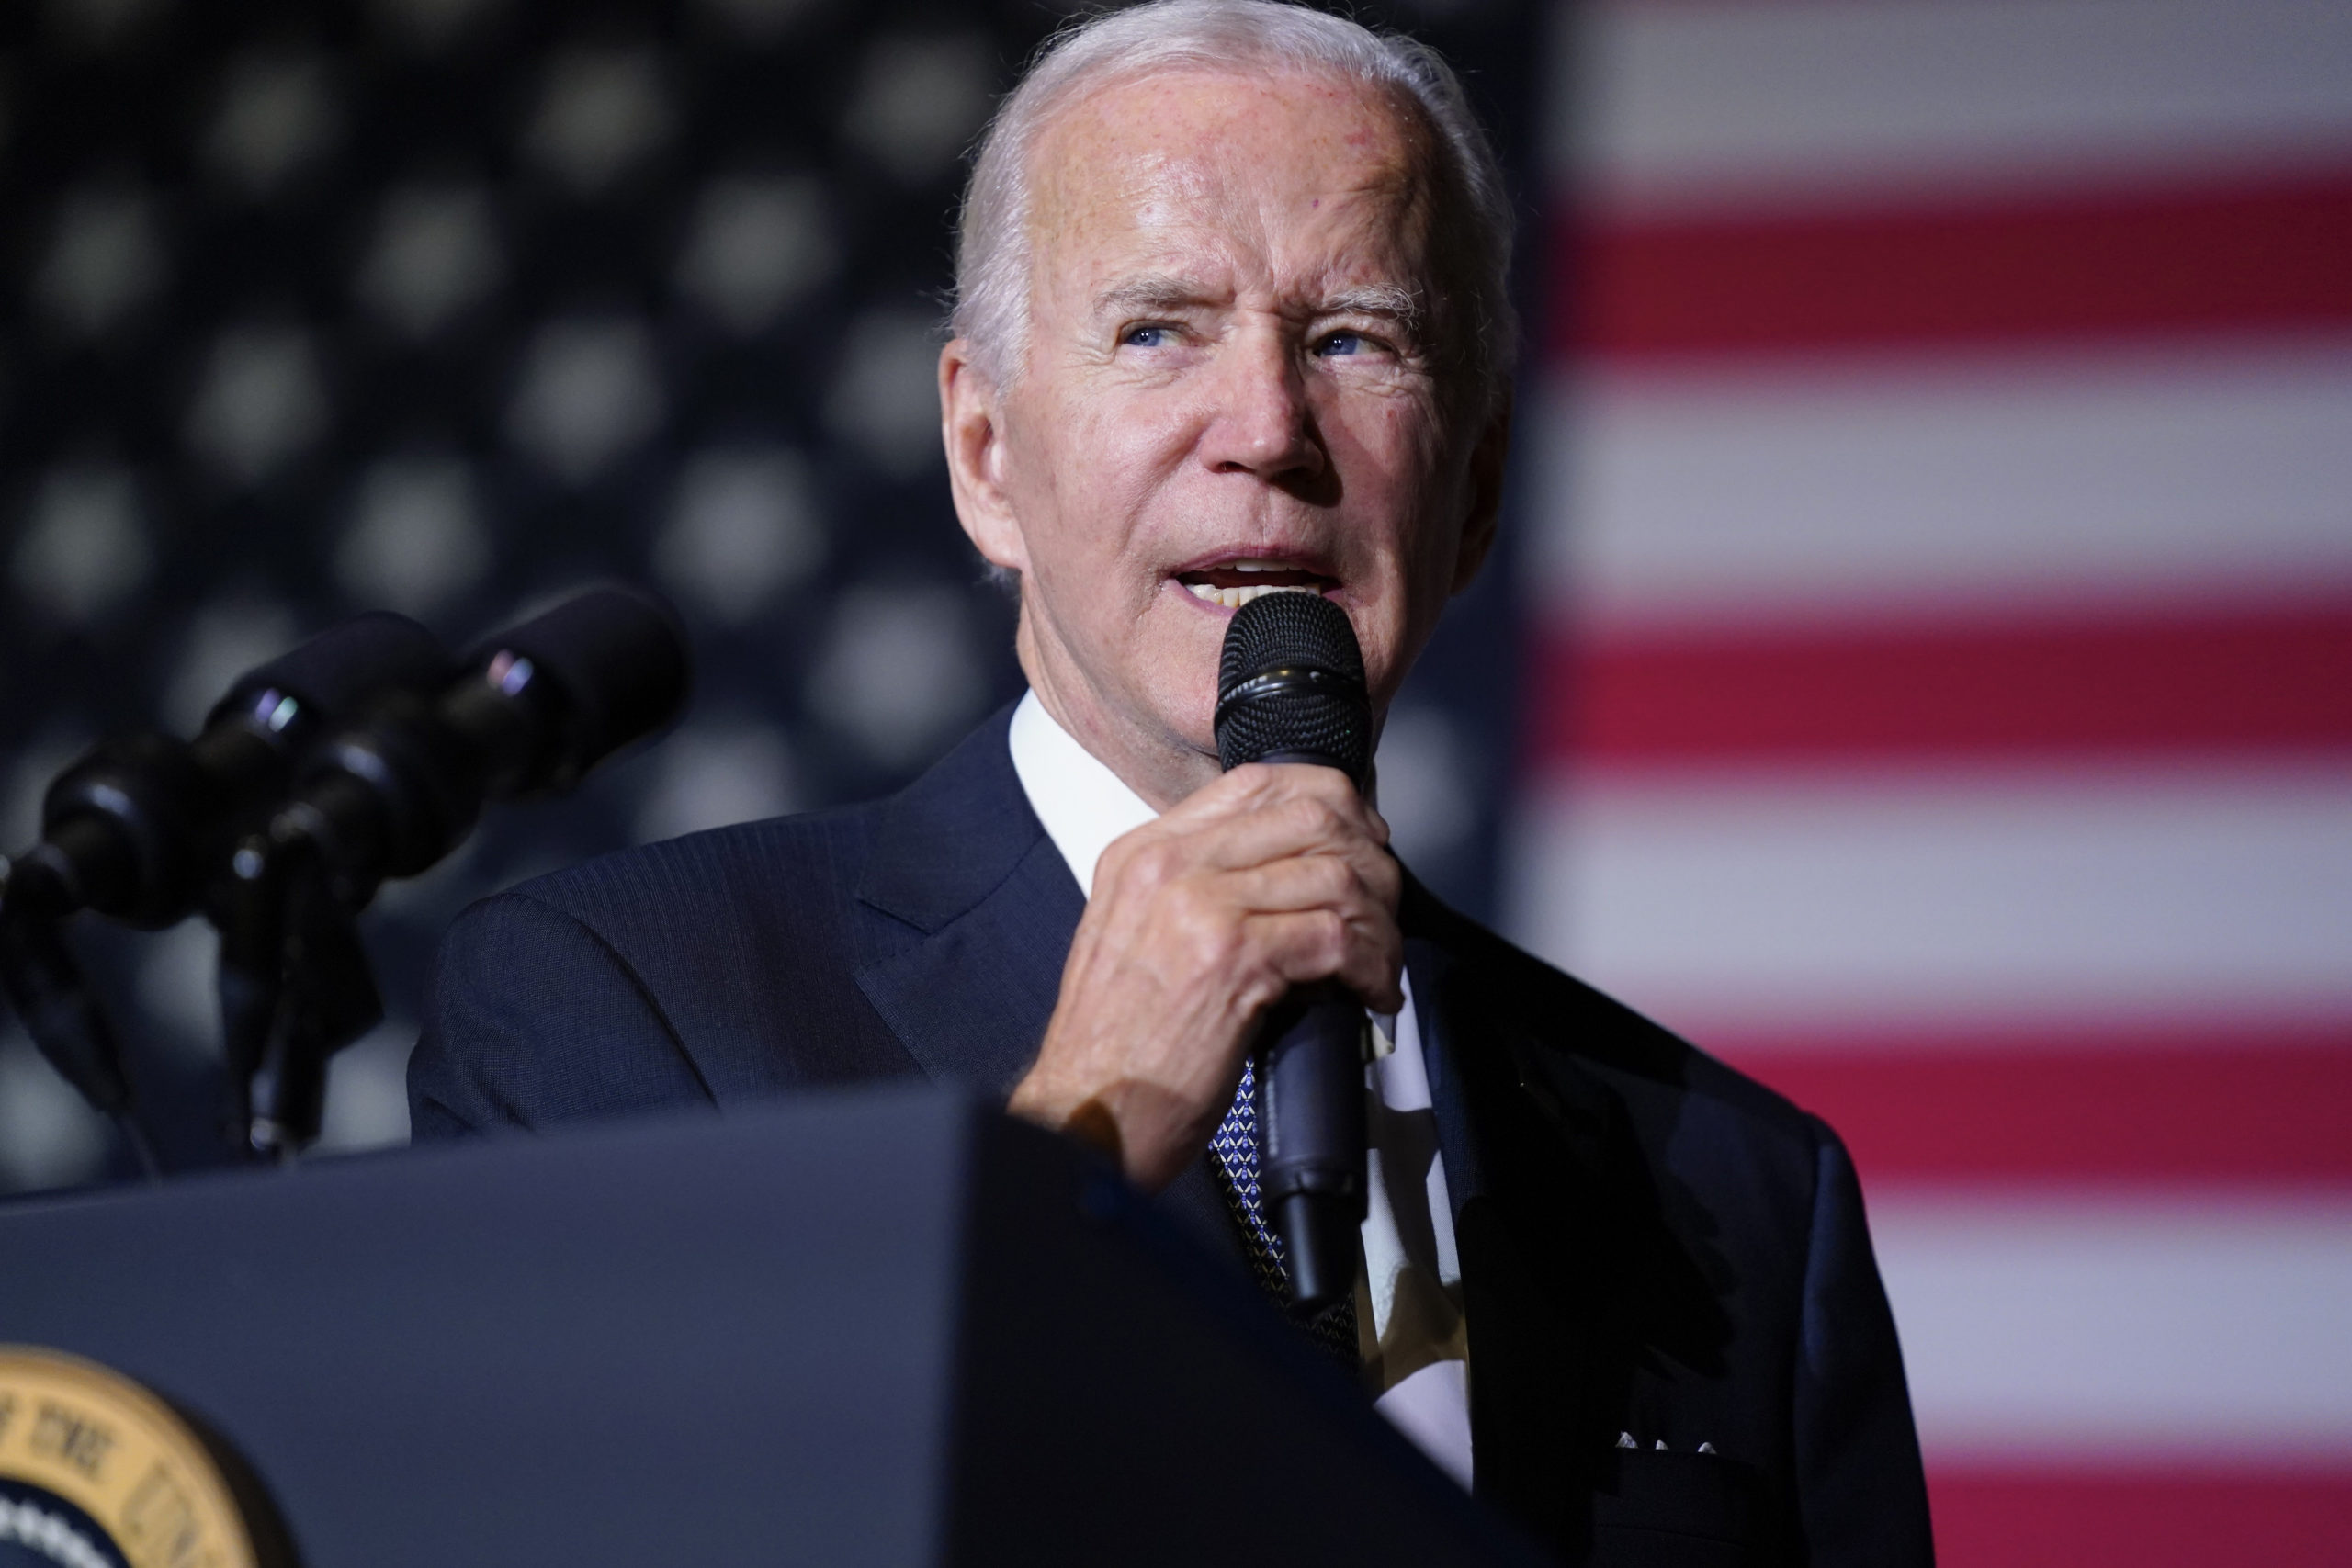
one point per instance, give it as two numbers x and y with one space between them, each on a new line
2145 1519
2263 257
2275 678
2275 1107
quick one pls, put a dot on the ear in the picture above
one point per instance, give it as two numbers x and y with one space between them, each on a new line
1489 460
971 419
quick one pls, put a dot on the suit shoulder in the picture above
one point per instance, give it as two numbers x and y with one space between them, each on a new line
715 967
1554 1012
799 862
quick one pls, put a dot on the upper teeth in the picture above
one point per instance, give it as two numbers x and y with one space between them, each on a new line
1234 598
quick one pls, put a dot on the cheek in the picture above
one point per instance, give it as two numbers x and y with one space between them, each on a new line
1389 417
1092 463
1397 475
1114 452
1132 436
1388 463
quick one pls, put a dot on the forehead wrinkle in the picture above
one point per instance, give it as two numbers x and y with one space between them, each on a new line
1153 294
1358 279
1172 291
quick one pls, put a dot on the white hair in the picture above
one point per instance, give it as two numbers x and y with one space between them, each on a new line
1474 327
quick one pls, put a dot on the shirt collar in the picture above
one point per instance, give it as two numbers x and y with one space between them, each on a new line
1082 802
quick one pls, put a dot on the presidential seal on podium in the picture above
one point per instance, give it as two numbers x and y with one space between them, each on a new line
97 1472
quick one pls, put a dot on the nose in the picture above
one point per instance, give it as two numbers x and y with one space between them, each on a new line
1260 421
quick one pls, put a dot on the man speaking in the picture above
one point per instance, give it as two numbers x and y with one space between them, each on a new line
1231 320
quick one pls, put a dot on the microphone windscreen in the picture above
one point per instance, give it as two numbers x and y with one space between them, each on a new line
1291 686
336 671
619 659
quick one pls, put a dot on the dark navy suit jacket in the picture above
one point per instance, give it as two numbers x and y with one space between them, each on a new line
1653 1249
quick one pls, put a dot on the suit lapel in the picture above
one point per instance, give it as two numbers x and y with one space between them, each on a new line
1526 1146
963 865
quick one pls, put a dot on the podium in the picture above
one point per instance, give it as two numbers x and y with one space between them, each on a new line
887 1327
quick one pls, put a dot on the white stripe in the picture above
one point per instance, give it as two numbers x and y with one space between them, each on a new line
2115 1331
2010 480
2005 897
1734 105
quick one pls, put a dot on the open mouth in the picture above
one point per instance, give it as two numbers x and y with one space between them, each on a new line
1234 583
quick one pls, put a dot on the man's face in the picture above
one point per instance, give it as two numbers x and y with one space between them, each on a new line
1227 387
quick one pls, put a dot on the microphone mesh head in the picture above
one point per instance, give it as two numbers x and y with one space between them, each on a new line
1310 706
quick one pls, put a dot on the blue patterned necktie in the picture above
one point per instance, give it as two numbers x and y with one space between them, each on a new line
1235 1152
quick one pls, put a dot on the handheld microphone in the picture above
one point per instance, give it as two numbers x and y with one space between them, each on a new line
1291 689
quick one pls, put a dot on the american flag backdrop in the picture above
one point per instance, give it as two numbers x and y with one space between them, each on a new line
1939 694
1931 560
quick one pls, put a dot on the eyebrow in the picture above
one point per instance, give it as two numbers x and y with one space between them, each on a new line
1392 302
1152 292
1165 292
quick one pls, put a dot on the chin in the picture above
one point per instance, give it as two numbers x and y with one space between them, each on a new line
1186 710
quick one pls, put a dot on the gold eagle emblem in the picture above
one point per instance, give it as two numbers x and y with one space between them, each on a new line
97 1472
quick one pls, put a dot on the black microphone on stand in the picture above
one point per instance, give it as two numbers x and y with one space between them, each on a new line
532 710
139 828
136 828
1291 689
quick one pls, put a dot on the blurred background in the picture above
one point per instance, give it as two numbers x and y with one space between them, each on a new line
1919 667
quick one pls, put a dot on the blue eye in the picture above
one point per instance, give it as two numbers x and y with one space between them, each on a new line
1341 343
1145 337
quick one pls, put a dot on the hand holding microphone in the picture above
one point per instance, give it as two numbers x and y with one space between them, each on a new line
1290 688
1255 888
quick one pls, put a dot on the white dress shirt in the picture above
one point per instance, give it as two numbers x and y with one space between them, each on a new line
1409 1303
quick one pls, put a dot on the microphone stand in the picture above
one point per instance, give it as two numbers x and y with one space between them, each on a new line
45 984
389 795
295 989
